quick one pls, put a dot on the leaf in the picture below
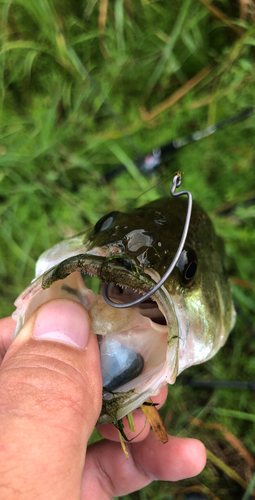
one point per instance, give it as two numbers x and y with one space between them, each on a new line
153 416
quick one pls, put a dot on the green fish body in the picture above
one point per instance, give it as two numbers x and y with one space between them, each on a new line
144 347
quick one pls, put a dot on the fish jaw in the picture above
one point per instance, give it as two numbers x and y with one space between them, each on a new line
134 250
157 344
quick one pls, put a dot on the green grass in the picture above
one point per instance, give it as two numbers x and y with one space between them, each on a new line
72 106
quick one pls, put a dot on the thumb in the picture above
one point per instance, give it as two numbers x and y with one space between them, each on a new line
50 400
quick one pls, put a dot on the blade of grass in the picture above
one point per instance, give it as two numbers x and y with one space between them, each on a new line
4 20
119 25
226 469
242 283
176 96
168 49
102 17
45 16
16 249
248 492
229 436
217 13
234 414
124 159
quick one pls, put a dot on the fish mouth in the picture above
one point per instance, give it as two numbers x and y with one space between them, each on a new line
148 308
137 361
138 345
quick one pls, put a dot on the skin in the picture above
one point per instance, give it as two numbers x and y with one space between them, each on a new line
50 400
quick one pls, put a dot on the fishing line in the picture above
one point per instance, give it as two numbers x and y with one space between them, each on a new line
176 184
147 191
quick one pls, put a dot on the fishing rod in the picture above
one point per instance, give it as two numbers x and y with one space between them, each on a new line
221 384
149 163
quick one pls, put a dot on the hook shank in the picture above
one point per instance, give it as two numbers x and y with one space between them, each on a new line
176 183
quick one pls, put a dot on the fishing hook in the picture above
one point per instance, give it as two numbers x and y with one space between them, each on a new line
176 184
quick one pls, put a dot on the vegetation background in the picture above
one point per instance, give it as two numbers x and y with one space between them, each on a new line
85 86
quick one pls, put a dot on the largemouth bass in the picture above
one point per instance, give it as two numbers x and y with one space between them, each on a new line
144 347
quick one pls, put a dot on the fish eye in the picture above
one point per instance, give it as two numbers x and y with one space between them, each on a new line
105 222
187 265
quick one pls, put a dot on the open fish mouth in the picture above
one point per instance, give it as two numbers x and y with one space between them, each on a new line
138 346
143 347
149 308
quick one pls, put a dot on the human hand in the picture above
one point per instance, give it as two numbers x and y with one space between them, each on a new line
50 400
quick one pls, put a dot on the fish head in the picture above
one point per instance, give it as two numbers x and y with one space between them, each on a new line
184 323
